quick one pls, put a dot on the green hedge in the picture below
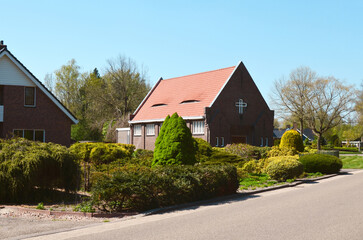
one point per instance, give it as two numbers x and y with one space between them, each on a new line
283 168
321 163
102 153
144 188
25 165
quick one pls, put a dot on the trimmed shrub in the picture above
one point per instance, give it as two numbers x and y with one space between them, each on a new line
250 167
277 151
102 153
142 157
292 139
175 144
321 163
221 157
203 150
247 151
25 165
143 188
283 168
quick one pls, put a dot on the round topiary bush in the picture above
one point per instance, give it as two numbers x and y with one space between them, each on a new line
283 168
292 139
321 163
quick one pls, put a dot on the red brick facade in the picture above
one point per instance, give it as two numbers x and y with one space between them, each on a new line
44 116
223 123
45 120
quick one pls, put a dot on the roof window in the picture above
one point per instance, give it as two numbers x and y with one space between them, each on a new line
159 105
189 101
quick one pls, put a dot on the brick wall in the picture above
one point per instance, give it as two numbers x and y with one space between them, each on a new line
225 121
45 116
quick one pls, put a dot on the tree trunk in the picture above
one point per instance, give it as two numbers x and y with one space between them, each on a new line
301 128
318 143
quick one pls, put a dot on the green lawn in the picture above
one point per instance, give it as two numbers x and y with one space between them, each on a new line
354 162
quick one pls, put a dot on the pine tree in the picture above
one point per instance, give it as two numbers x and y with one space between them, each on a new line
174 144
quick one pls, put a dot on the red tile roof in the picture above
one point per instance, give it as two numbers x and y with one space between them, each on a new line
168 95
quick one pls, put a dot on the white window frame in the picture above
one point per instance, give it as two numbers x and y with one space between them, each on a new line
137 130
150 129
198 127
222 141
217 141
266 142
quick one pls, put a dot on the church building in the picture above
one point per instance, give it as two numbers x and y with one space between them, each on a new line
222 106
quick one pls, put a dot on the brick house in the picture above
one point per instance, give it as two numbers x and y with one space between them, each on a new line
223 106
27 108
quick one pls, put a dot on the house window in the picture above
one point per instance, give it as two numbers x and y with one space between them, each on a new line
150 129
222 141
137 130
34 135
266 142
198 127
261 141
29 93
217 141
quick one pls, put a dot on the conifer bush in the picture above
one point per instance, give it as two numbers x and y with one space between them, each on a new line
323 163
283 168
292 139
175 144
203 150
26 165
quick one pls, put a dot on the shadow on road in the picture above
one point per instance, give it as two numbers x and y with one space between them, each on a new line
211 202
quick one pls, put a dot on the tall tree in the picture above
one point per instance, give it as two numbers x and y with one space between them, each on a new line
292 95
359 105
67 85
126 86
329 104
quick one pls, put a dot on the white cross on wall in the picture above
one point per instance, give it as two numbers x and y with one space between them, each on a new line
240 104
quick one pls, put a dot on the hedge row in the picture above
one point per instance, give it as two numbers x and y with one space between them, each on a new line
102 153
321 163
26 165
144 188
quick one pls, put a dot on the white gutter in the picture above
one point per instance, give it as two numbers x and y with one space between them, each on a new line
162 120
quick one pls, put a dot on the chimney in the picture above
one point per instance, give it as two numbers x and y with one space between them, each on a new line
2 44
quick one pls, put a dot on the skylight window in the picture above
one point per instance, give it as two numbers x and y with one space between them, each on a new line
158 105
189 101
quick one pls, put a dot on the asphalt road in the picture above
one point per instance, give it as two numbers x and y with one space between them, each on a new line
331 209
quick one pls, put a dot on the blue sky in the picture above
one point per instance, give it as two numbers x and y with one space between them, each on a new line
176 38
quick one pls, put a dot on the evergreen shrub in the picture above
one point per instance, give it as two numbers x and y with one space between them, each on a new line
247 151
292 139
143 188
281 151
175 144
221 157
203 150
102 153
321 163
283 168
25 165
